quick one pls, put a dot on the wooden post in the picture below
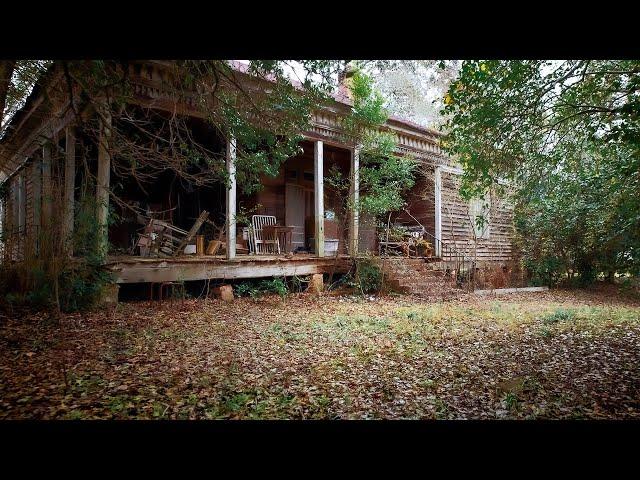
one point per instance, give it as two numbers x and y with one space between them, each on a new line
15 221
69 188
36 182
22 213
231 199
47 191
13 213
103 180
7 223
15 202
438 211
355 201
318 179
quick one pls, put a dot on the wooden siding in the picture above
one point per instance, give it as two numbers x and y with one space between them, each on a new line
458 230
421 203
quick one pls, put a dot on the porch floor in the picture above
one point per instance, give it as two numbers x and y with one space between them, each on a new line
134 269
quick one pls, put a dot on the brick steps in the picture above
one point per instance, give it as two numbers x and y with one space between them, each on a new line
418 277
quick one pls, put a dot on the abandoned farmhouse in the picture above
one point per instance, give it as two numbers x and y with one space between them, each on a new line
172 230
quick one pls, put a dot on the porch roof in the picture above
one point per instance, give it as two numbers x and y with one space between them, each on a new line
29 123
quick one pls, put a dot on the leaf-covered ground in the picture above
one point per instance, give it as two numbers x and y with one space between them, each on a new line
551 355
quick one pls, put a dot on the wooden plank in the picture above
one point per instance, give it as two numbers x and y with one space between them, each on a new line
501 291
192 233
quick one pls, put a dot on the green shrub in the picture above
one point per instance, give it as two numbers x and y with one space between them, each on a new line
275 285
245 289
81 286
368 275
257 288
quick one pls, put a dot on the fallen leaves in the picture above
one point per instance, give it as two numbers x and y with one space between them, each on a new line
552 355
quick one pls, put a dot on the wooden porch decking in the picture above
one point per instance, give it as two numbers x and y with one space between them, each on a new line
132 269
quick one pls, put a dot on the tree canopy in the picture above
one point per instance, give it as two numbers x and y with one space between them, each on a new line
566 134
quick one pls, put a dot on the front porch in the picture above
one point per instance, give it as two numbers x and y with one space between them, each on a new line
295 199
135 269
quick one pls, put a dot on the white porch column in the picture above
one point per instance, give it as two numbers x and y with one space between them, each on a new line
438 211
69 187
231 199
318 179
355 201
103 179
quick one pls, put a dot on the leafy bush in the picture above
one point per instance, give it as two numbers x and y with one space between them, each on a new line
245 289
257 288
275 285
81 286
368 275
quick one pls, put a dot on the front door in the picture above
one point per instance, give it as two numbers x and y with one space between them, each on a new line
294 213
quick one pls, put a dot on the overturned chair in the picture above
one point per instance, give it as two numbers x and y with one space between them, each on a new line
165 239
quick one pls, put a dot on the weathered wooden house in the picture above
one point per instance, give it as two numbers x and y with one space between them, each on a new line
39 157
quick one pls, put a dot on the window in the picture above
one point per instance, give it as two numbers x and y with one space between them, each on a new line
479 210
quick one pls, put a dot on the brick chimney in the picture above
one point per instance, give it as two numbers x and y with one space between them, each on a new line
345 79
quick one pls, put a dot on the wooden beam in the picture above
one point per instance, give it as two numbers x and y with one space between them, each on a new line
231 199
318 180
103 180
69 188
167 270
355 201
438 210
